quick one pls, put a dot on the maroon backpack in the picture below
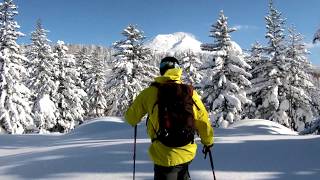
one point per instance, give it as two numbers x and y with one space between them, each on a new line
176 118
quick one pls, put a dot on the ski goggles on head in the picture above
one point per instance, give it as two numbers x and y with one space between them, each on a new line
169 64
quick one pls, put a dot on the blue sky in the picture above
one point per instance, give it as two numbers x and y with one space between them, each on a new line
101 21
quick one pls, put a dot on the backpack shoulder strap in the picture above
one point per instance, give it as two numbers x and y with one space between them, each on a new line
157 85
191 89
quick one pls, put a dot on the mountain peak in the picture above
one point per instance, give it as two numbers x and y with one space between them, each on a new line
175 42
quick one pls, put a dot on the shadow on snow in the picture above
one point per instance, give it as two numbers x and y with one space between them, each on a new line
111 152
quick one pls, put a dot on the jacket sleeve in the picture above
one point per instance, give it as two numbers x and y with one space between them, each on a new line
202 123
136 110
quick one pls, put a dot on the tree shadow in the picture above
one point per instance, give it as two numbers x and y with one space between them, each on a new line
109 156
288 159
94 157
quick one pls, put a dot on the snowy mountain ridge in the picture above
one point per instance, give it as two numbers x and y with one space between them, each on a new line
176 42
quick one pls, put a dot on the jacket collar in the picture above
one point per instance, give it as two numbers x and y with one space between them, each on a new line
170 75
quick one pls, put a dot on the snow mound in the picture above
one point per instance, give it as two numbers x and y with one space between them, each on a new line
107 128
261 127
100 125
176 42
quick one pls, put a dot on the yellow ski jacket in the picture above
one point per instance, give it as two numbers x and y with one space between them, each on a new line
144 104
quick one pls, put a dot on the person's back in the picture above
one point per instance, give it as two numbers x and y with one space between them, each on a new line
170 162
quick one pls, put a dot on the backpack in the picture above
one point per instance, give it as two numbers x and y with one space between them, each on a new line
175 114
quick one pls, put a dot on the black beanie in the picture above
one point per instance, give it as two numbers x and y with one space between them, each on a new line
168 63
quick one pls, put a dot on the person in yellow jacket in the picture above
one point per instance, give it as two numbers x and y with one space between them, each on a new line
169 163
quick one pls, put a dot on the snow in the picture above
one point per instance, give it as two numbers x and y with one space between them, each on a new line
176 42
236 48
102 149
262 127
47 107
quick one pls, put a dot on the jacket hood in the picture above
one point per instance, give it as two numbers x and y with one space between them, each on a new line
170 75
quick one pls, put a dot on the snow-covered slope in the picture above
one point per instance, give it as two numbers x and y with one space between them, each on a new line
102 150
262 127
176 42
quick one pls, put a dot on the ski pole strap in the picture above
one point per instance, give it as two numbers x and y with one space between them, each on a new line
134 152
206 149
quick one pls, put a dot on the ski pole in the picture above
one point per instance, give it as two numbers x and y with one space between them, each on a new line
134 152
212 167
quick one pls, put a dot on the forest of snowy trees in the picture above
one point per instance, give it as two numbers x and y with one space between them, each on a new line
53 87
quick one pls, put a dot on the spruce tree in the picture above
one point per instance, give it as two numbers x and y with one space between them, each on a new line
298 83
275 34
255 55
131 70
190 64
96 87
69 95
268 86
83 63
223 88
256 60
41 80
15 111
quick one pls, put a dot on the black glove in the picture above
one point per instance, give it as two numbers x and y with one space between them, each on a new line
206 149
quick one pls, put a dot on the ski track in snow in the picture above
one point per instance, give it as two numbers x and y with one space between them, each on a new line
253 150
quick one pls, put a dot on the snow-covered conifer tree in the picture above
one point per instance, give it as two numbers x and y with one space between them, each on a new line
96 87
255 55
131 71
275 33
255 58
190 63
298 83
69 94
15 109
84 65
268 92
41 79
223 87
83 62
